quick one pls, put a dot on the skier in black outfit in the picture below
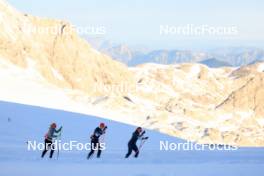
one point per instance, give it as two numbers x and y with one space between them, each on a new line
49 139
95 143
132 144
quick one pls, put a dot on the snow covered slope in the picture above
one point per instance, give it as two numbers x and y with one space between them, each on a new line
30 123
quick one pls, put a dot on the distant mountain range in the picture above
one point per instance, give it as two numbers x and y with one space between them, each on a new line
238 56
214 63
131 56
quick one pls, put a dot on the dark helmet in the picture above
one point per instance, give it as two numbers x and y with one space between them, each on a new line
139 129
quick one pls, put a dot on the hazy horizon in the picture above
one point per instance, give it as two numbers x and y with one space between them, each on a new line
139 23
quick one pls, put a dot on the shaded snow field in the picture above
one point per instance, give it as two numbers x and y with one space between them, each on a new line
28 123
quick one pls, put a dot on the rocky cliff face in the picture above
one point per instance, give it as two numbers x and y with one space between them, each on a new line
206 105
191 101
248 97
59 54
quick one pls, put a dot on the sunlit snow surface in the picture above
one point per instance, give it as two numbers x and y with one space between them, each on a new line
31 123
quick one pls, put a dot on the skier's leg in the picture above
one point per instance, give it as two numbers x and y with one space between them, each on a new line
135 149
90 154
99 150
46 148
92 149
129 151
44 152
52 149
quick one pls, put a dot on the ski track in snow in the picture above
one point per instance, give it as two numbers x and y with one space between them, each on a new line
31 123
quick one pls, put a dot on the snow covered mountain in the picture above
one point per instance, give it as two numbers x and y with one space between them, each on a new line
56 51
57 69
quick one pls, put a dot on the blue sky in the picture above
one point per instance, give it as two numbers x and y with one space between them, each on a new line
138 22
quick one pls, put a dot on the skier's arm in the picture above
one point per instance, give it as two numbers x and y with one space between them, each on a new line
104 130
142 134
59 130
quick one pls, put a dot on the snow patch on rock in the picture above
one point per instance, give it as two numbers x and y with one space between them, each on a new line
260 67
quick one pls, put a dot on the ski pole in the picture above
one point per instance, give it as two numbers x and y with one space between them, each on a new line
102 138
142 143
58 148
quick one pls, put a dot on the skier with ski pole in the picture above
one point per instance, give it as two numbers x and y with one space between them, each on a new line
132 144
49 137
95 143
